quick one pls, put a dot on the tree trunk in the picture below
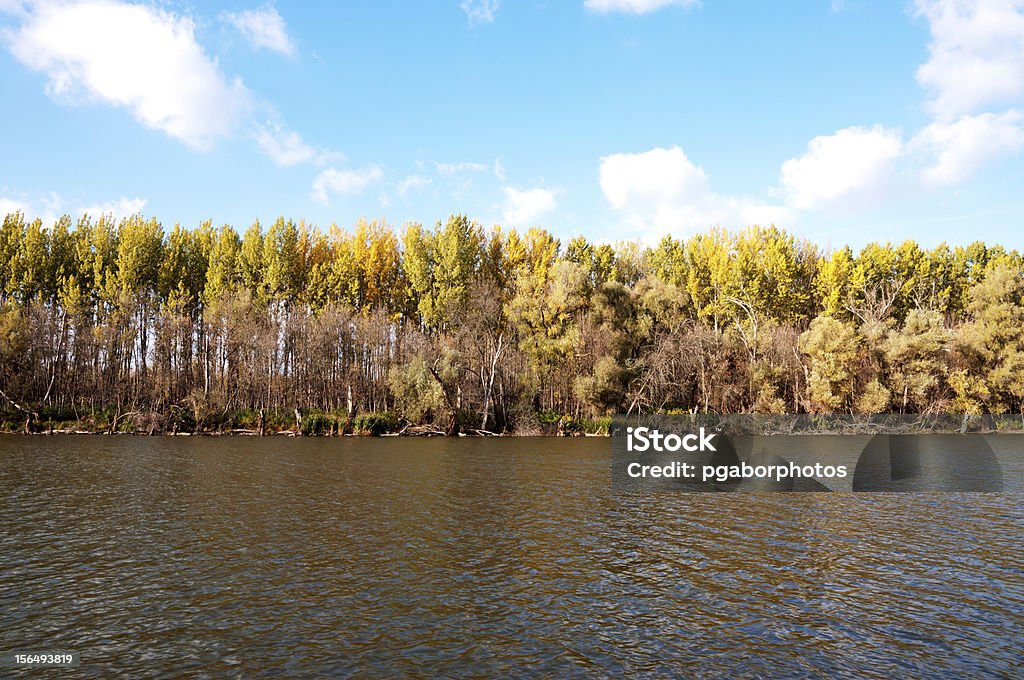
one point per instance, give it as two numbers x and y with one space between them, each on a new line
490 384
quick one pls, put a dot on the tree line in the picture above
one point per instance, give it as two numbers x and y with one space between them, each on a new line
126 324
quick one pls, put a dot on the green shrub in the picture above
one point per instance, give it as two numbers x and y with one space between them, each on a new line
546 417
601 426
57 414
417 393
245 419
181 419
279 421
374 424
318 423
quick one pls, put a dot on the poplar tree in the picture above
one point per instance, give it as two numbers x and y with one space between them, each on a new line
192 326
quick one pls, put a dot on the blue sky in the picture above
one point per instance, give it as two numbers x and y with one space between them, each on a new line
842 121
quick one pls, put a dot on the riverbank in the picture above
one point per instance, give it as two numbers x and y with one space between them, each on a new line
293 423
314 423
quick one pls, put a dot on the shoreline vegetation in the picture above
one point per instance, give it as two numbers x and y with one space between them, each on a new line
318 424
293 424
123 325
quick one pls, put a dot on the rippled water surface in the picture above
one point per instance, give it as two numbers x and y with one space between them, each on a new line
170 557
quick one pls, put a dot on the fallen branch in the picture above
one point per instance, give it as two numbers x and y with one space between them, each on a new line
422 431
18 406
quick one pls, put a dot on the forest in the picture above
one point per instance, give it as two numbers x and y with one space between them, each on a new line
125 325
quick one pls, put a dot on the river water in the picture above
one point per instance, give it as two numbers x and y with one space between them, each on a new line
171 557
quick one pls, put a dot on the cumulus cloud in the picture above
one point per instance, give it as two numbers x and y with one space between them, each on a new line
264 28
46 207
655 176
974 75
976 55
635 6
976 61
958 148
661 190
523 206
9 206
332 181
133 56
123 207
412 182
851 164
480 11
286 147
49 206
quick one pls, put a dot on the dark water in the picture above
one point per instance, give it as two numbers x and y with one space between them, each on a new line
171 557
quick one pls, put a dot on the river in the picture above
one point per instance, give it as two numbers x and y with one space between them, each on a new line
244 556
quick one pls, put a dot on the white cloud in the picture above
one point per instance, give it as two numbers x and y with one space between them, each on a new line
52 203
661 190
851 164
48 207
263 28
523 206
16 7
960 147
9 206
287 148
499 169
976 60
43 206
976 56
412 182
449 169
480 11
123 207
635 6
332 181
134 56
655 176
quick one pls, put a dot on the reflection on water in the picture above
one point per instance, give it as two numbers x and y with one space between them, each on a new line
397 557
